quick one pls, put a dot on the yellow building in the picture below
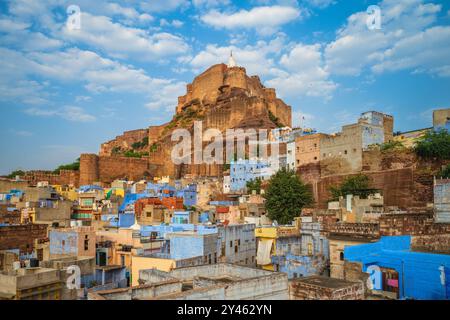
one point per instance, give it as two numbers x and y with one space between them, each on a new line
67 192
409 138
159 261
266 240
139 263
119 192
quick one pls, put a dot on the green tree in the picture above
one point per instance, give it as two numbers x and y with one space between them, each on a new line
392 145
434 144
71 166
15 173
358 185
254 185
285 196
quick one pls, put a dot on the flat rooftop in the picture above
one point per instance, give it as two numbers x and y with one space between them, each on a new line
324 282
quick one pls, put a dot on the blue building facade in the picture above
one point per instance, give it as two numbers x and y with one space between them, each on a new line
412 275
242 171
189 195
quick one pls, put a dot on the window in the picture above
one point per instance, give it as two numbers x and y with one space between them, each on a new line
345 151
315 158
86 244
231 244
122 260
341 255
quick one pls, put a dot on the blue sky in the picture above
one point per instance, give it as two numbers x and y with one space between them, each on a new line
63 92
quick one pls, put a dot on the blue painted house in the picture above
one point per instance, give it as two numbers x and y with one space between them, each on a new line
242 171
189 195
409 274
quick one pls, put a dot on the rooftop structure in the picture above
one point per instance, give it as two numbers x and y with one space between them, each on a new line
218 281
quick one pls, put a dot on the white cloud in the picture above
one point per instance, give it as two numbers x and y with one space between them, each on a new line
70 113
305 73
210 3
257 59
163 5
403 22
320 3
121 41
96 73
21 133
173 23
265 20
427 51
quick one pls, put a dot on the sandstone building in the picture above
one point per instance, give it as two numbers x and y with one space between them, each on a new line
223 97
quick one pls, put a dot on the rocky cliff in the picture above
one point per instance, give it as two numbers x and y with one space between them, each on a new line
222 97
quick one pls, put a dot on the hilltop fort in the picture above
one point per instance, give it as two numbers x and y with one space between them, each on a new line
223 97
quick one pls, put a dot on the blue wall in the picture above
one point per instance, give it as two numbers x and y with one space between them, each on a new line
300 266
63 242
126 220
242 171
419 273
186 247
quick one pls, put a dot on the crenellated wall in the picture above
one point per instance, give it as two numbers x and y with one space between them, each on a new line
106 169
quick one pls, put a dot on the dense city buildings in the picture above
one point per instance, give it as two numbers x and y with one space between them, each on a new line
377 225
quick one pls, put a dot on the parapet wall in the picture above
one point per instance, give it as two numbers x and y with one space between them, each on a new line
65 177
106 169
411 223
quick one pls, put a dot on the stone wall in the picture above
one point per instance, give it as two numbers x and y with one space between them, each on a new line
353 272
436 243
65 177
342 153
106 169
411 224
21 237
325 289
112 168
123 141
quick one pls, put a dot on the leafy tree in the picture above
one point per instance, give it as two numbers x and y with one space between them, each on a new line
15 173
71 166
356 185
392 145
434 144
132 154
254 185
140 144
285 196
116 150
154 147
275 120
